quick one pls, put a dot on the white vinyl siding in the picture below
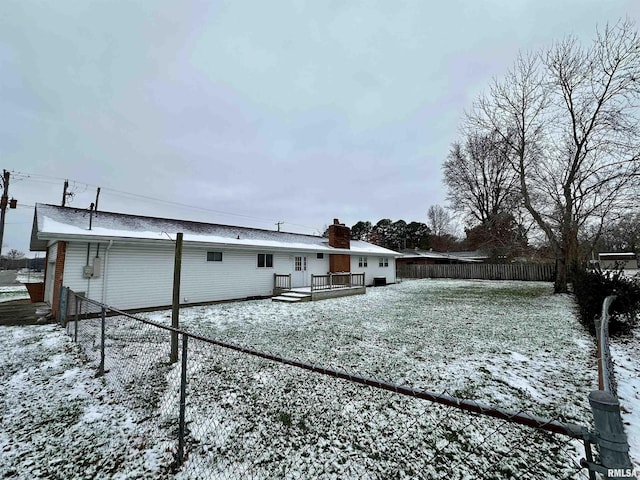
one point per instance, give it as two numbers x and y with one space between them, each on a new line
141 276
75 261
317 266
236 277
375 270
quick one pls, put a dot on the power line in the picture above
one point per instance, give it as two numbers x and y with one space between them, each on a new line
50 180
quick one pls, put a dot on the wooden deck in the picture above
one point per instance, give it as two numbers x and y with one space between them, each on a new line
20 312
307 294
331 285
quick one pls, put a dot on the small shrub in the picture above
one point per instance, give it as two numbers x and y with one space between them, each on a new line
285 418
592 287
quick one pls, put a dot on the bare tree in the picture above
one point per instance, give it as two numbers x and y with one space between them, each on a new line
12 259
438 220
480 181
568 115
14 254
622 235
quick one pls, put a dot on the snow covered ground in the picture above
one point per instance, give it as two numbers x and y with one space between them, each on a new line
508 344
30 277
59 421
626 358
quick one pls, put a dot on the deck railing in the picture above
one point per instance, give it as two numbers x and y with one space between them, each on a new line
336 280
281 282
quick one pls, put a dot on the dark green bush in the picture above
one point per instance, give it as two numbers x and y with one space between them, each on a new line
591 287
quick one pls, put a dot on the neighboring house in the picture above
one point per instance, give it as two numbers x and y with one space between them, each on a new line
127 261
424 257
628 260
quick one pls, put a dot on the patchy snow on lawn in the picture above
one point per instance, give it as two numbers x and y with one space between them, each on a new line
30 277
626 355
513 345
59 421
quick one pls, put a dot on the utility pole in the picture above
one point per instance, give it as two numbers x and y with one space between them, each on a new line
64 192
278 224
3 205
97 196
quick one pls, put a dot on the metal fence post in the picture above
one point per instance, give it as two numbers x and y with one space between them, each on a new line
75 324
62 306
610 435
183 395
102 329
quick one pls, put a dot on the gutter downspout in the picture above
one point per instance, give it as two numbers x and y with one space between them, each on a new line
104 274
88 291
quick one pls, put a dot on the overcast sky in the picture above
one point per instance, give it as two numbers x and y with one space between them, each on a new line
254 111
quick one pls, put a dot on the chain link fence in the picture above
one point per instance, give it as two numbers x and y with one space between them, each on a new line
224 411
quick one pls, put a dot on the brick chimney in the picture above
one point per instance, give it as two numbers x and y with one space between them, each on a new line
339 237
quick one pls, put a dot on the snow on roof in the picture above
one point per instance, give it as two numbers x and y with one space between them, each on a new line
611 255
65 223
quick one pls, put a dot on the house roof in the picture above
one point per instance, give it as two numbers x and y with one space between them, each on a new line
408 254
51 223
617 255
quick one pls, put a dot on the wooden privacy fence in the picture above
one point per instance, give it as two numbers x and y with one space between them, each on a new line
543 272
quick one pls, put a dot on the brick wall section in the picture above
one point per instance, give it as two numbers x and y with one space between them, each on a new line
57 277
339 237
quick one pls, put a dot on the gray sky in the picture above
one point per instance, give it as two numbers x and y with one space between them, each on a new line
267 111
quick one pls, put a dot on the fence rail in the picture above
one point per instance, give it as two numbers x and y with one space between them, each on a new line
237 412
543 272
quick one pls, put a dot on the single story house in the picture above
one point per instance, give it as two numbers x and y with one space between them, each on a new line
429 257
627 260
127 261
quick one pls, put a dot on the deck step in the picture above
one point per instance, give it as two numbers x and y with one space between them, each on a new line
292 297
282 298
296 294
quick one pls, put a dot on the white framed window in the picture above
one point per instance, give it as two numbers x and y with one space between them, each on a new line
265 260
383 262
362 262
214 256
